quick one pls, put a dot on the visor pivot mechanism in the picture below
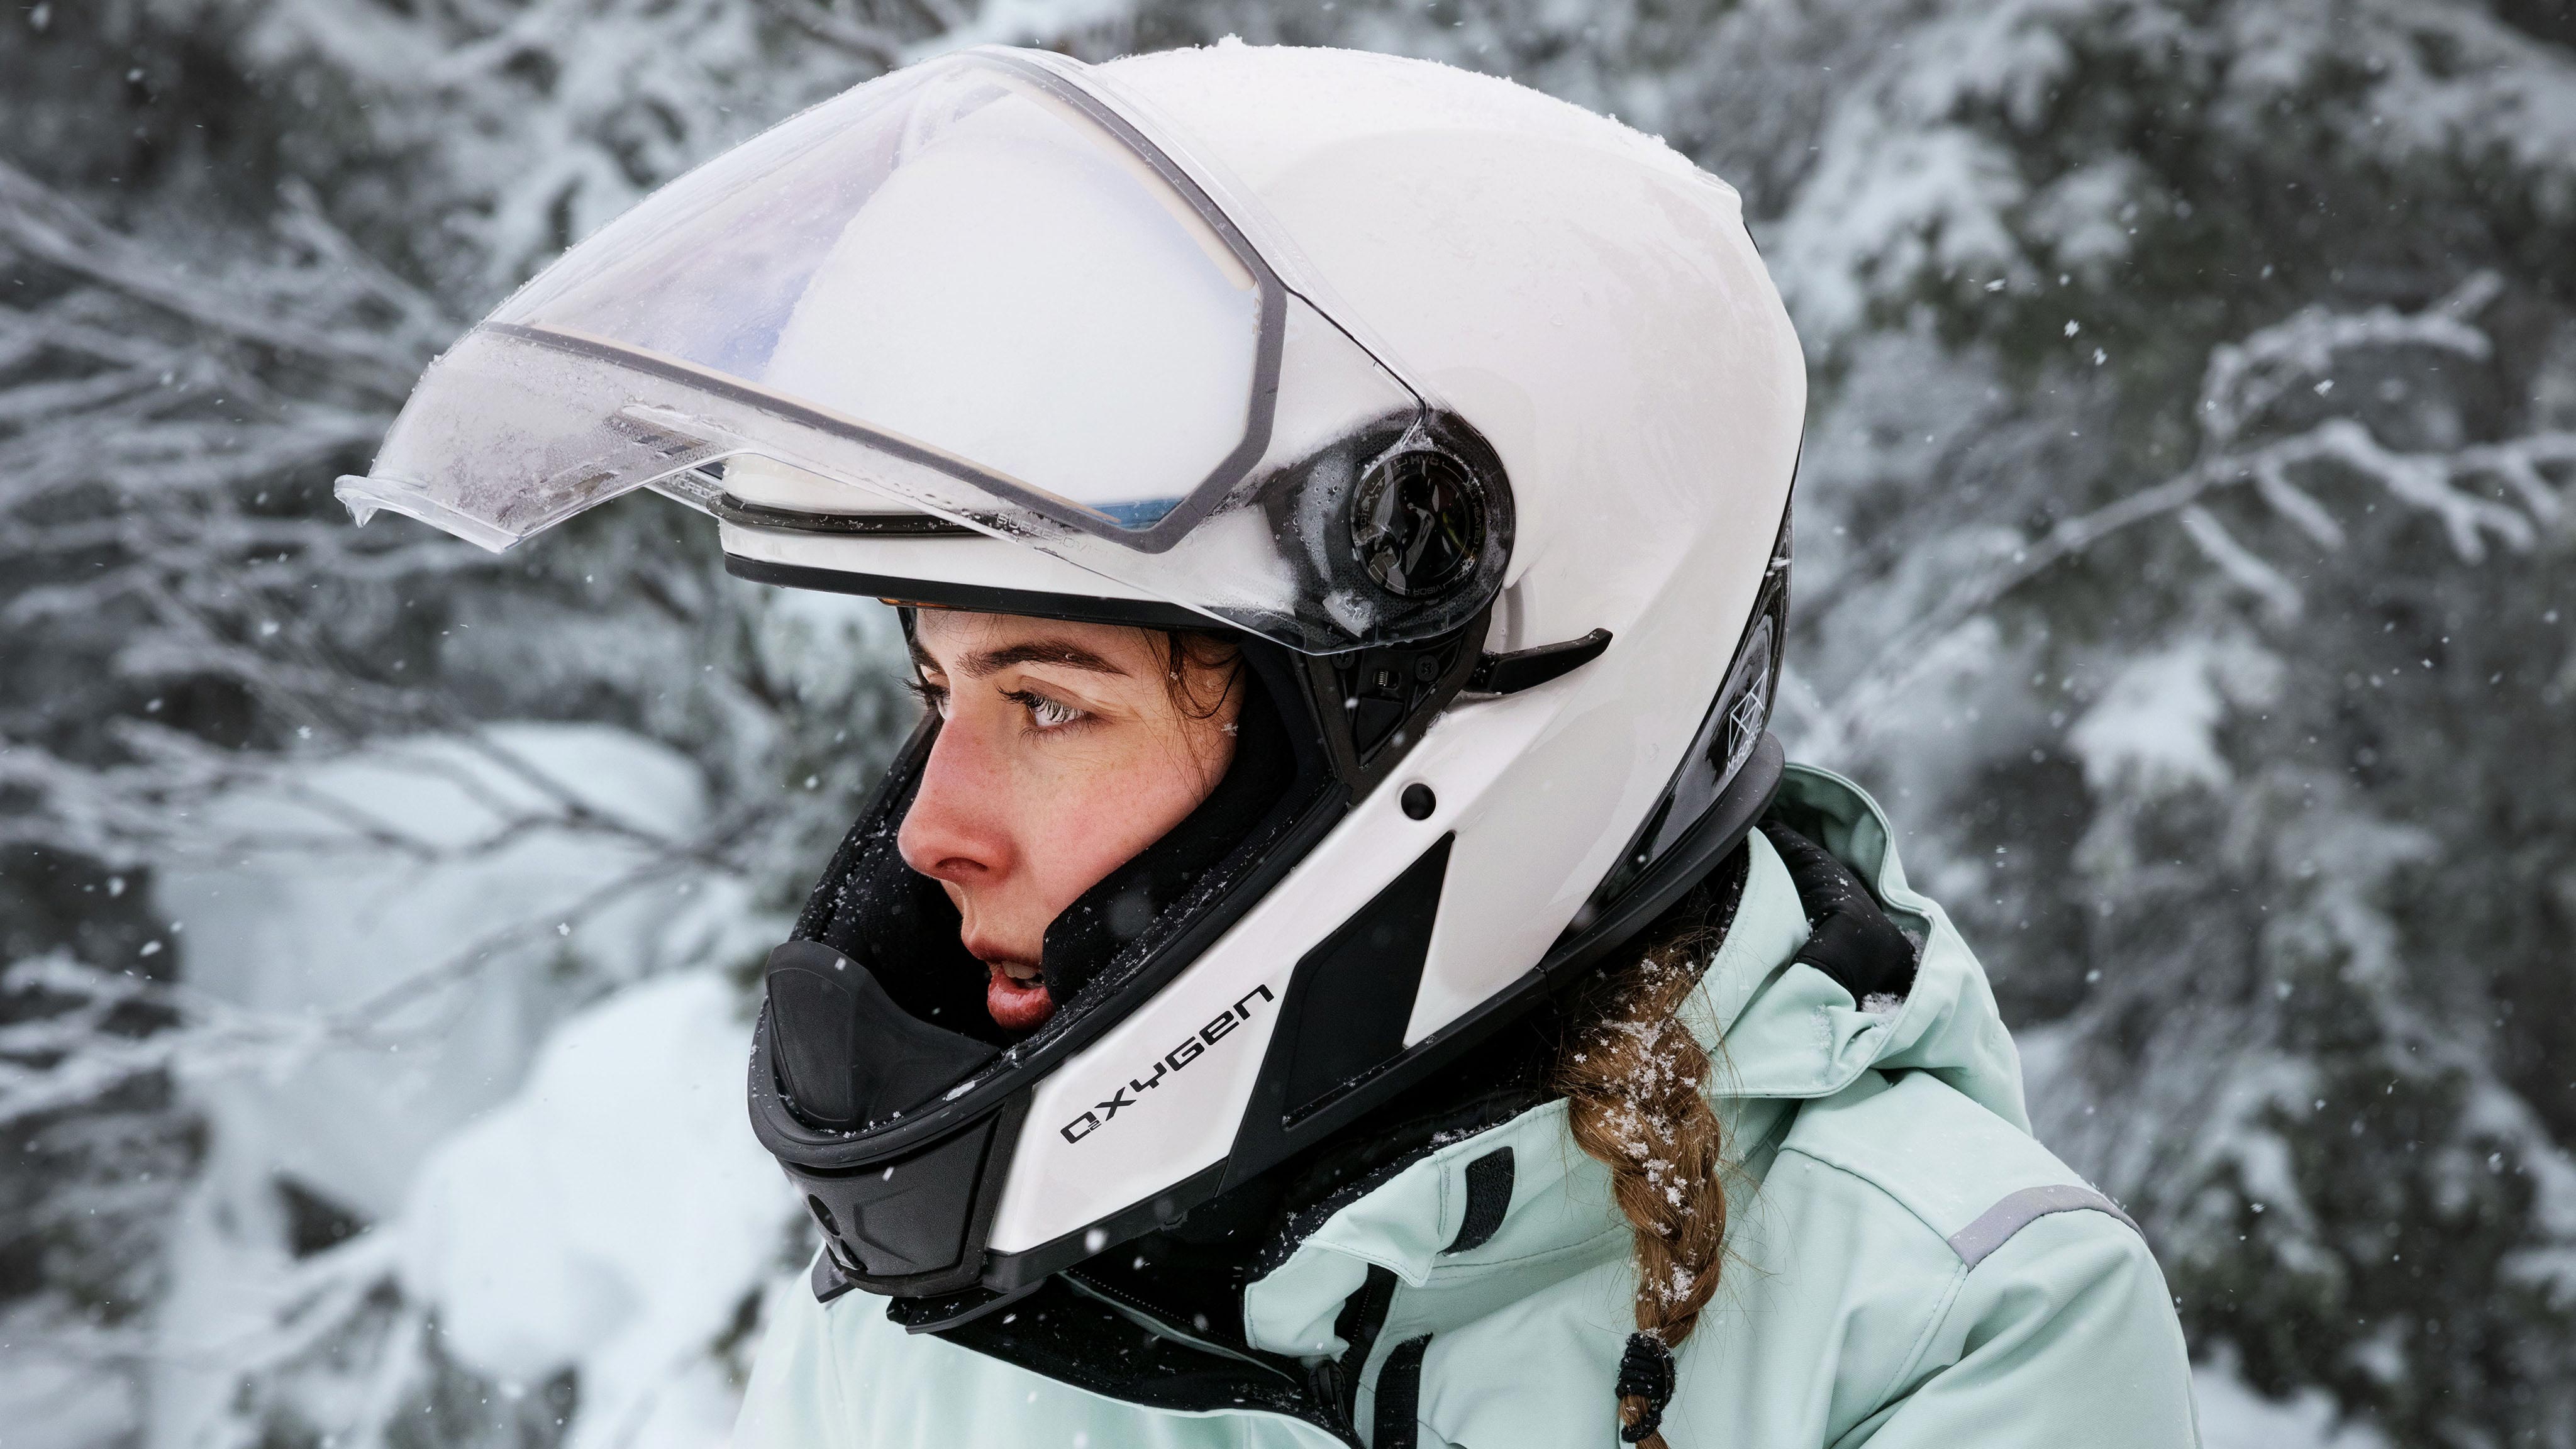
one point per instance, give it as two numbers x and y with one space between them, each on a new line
1418 520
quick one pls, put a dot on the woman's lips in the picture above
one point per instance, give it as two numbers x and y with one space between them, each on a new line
1017 1004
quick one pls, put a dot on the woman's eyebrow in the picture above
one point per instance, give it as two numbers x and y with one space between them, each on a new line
1036 651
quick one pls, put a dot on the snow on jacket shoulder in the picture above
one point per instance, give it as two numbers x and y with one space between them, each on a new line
1906 1264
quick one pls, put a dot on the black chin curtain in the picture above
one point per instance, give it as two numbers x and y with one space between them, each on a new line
879 912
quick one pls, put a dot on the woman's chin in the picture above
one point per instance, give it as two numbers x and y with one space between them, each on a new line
1016 1006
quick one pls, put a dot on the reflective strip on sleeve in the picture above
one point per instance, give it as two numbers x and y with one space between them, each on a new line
1996 1225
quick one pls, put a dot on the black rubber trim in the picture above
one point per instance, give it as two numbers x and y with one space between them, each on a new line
1398 1416
1064 1334
942 594
936 1314
873 525
1489 1197
826 1279
830 1280
1718 831
1528 668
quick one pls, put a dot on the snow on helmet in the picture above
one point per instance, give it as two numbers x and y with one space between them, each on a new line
1473 416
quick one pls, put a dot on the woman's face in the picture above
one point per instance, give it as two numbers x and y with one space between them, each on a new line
1064 752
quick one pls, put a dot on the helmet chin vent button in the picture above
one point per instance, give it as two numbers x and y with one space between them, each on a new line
1418 801
1418 521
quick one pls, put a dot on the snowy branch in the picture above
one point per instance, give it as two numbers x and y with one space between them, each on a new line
44 226
2243 380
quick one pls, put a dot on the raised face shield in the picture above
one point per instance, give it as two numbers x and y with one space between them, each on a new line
976 289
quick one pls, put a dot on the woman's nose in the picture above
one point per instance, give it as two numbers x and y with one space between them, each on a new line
954 830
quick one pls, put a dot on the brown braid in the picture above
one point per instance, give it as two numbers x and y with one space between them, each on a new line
1632 1076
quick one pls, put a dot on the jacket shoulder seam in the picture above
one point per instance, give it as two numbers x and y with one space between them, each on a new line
1937 1311
1877 1188
1923 1340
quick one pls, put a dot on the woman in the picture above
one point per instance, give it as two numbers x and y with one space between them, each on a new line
1894 1263
1340 960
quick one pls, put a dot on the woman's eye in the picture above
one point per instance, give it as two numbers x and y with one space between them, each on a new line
1046 713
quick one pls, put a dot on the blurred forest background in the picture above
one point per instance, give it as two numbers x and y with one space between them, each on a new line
2184 552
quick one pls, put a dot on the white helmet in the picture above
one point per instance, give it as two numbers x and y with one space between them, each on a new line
1472 414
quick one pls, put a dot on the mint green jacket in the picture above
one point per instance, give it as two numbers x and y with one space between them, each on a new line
1906 1265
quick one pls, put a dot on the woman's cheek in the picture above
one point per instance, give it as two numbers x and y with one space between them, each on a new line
1124 807
1068 823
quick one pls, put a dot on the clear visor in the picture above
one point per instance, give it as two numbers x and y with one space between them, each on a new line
974 289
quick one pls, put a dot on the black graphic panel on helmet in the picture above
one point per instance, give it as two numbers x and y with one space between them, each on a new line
1348 1004
1418 520
1352 996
